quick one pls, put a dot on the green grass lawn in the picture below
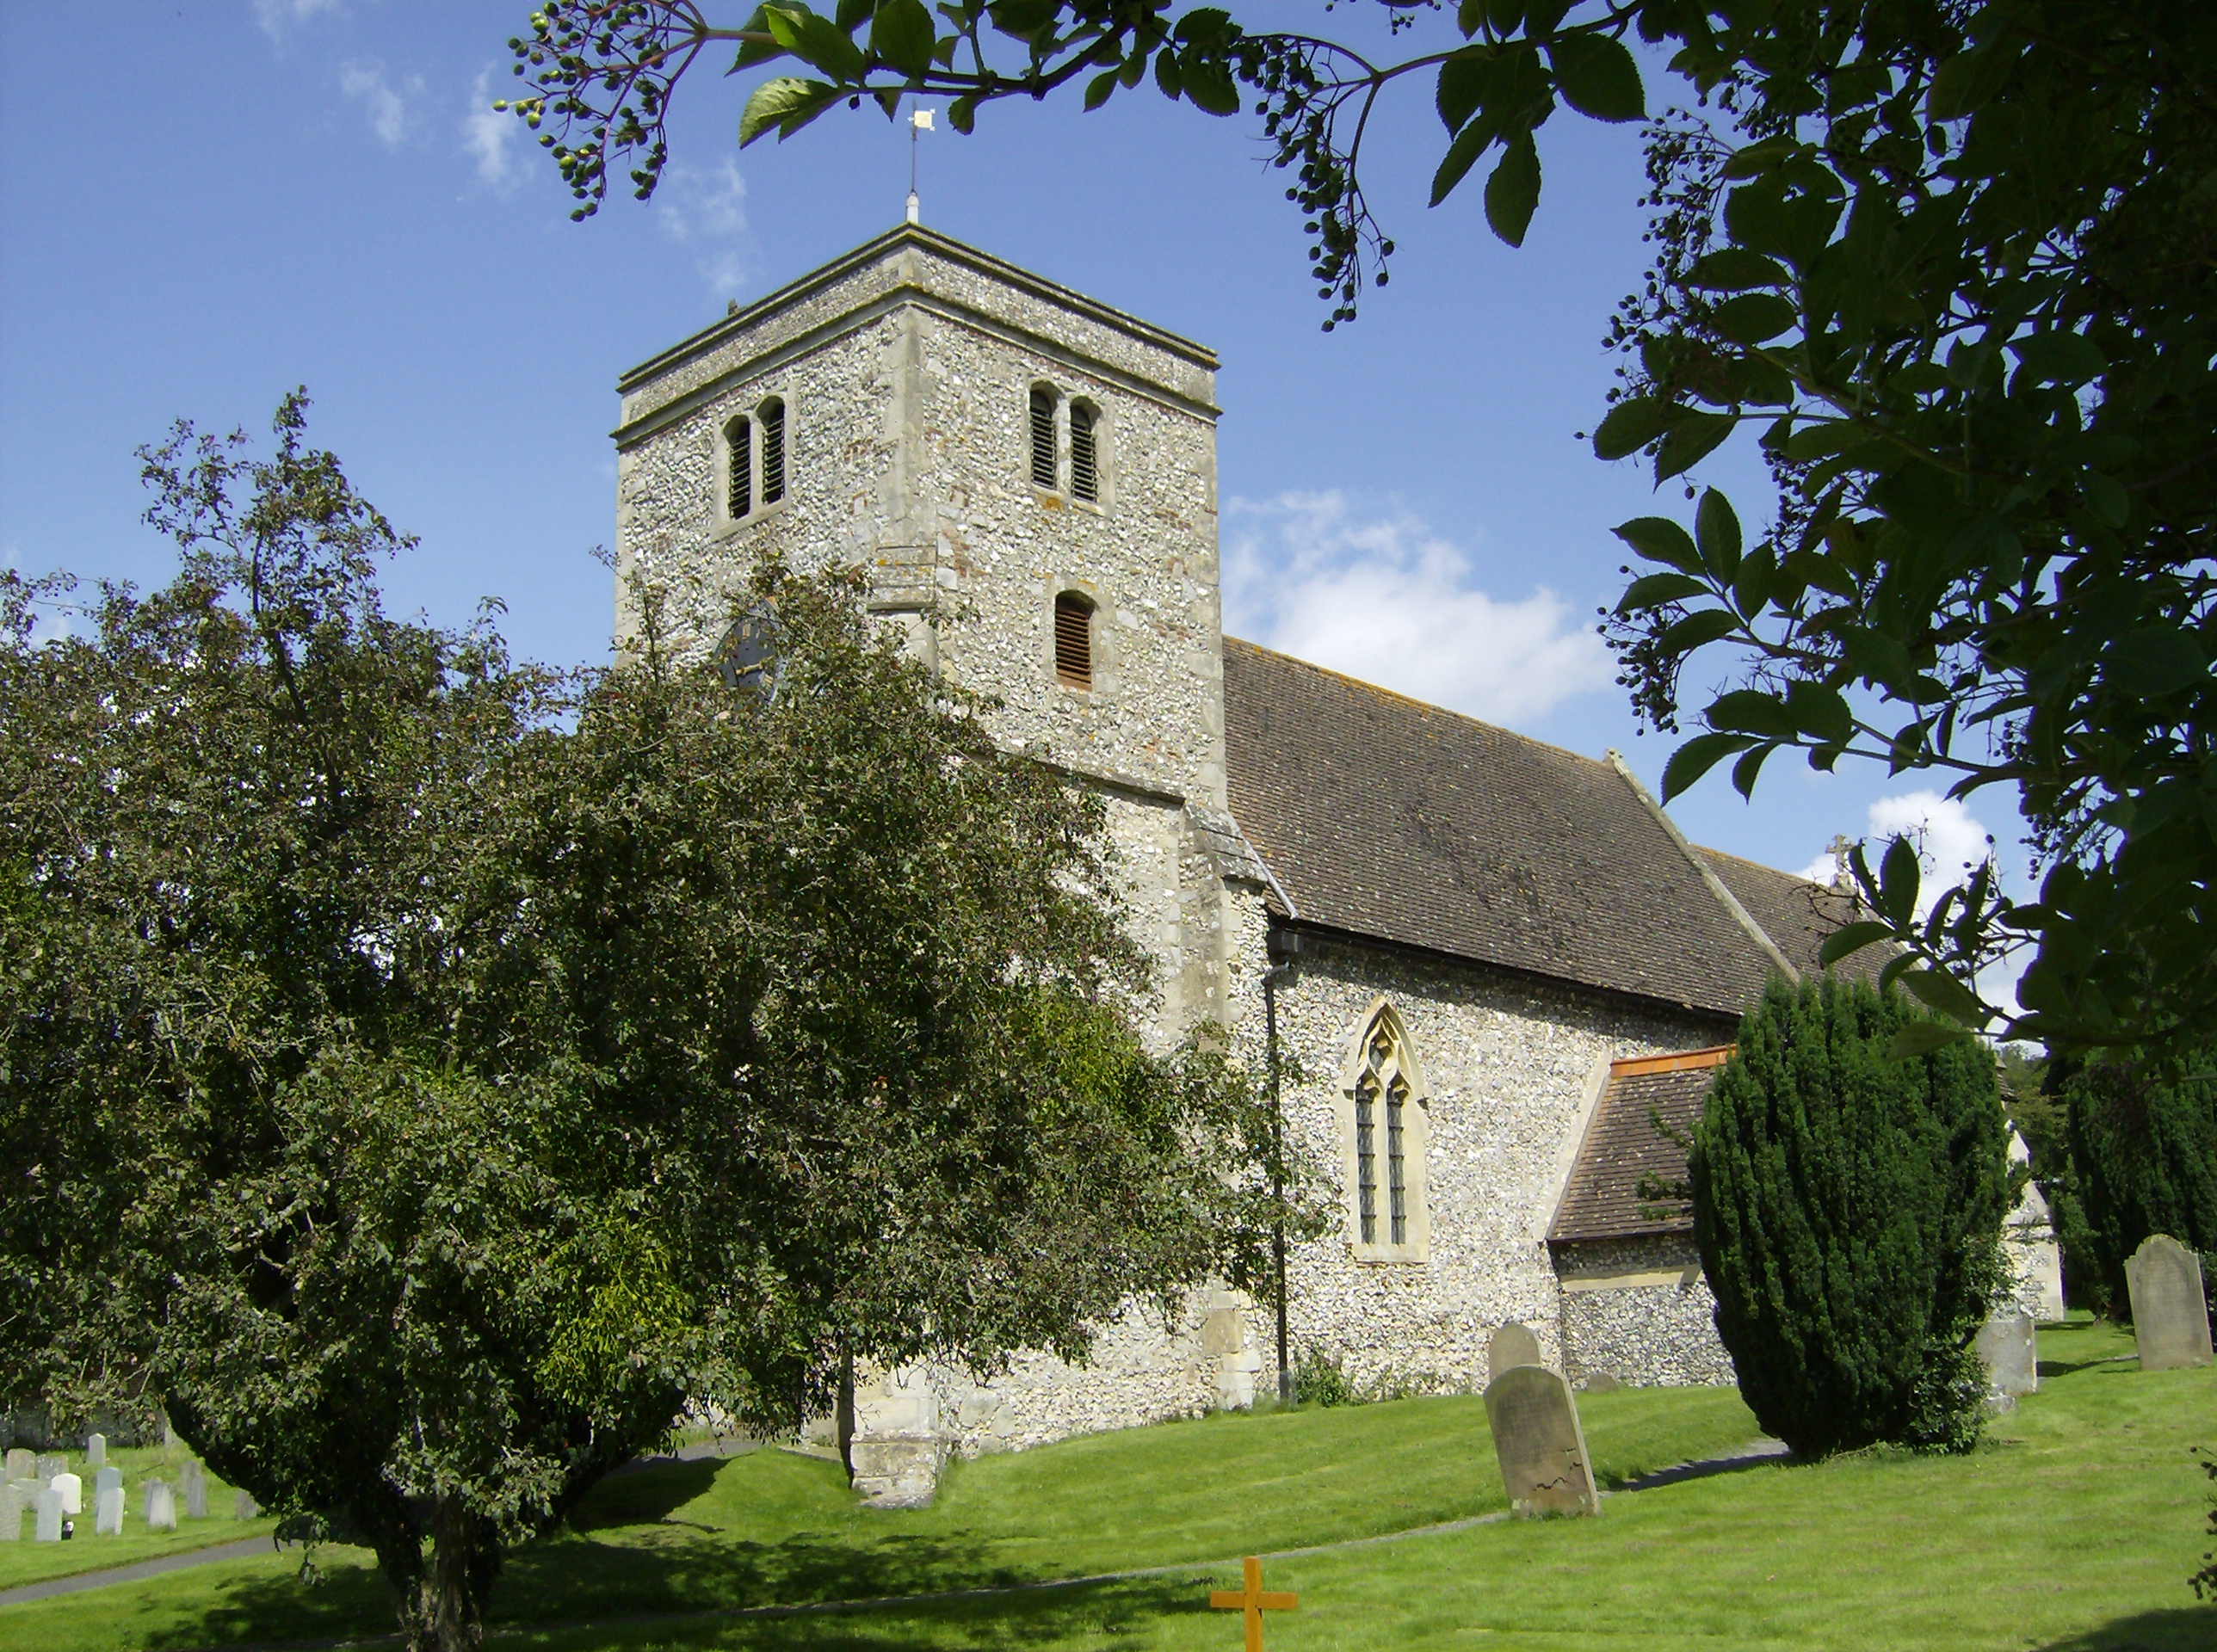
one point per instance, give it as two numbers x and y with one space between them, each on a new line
2075 1528
26 1562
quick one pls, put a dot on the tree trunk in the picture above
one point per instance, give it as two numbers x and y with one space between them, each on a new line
440 1598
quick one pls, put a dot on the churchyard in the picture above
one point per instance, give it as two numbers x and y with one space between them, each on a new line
2073 1527
28 1561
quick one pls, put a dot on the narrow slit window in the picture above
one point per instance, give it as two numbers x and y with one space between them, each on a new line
1397 1195
1084 463
1073 640
738 457
1366 1159
1043 439
773 452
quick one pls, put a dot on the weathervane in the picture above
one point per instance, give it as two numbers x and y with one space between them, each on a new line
918 121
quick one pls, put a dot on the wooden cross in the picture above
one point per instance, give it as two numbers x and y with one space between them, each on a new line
1253 1601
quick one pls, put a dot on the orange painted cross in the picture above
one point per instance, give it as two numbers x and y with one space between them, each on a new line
1253 1601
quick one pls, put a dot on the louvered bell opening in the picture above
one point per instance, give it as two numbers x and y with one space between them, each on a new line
1085 473
773 424
1073 641
739 495
1043 440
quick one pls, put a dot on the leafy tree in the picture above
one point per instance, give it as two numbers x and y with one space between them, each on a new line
1847 1205
2038 1113
423 1073
1950 259
2143 1142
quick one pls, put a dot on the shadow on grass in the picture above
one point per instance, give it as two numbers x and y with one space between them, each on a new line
646 1495
2116 1362
1127 1613
2180 1629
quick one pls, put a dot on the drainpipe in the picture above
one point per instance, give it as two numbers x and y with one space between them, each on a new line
1285 944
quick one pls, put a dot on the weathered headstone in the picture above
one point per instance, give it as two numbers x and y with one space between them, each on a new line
1538 1440
96 1451
50 1517
107 1512
50 1463
192 1480
12 1506
2009 1347
1513 1344
243 1506
108 1479
21 1464
2170 1317
161 1507
71 1487
1600 1382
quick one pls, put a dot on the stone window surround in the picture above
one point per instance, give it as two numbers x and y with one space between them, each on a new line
1415 1126
1105 650
1061 497
760 396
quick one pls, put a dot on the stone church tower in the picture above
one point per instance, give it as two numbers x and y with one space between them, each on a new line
1030 477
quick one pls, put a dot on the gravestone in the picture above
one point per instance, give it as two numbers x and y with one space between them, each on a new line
2009 1347
1542 1449
1513 1344
21 1465
108 1479
96 1451
2170 1317
11 1514
193 1481
50 1517
49 1464
243 1506
161 1507
71 1487
1601 1382
107 1512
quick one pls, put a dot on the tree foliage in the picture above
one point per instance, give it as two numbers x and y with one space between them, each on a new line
1847 1205
1951 260
423 1073
2143 1141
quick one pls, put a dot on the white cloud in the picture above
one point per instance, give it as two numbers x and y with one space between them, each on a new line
490 136
1384 598
706 208
390 109
1951 841
280 17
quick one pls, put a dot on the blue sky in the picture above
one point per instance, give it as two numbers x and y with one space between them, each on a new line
201 206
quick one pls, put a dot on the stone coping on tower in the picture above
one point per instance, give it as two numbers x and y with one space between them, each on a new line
911 264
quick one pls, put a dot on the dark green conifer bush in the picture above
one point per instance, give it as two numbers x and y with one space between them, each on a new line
2144 1157
1847 1205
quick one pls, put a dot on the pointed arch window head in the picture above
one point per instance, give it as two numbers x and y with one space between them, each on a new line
1085 451
1043 466
1073 640
1385 1127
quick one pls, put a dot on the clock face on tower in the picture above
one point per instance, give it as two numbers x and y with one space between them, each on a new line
747 657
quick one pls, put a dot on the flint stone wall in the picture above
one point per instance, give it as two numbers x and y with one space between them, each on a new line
1640 1311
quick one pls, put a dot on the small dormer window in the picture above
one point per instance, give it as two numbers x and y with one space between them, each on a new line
1042 437
738 461
1084 459
1073 640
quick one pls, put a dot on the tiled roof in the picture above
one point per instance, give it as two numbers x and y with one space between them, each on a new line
1389 818
1793 912
1623 1148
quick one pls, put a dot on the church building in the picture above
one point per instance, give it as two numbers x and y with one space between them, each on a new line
1499 963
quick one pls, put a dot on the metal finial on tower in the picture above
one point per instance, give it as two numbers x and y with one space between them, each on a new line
918 121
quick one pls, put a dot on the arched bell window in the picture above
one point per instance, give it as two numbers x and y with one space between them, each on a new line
1085 451
1073 640
1043 467
754 463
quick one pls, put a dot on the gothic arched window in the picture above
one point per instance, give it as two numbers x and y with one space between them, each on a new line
1043 438
754 460
1085 451
739 469
1385 1128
